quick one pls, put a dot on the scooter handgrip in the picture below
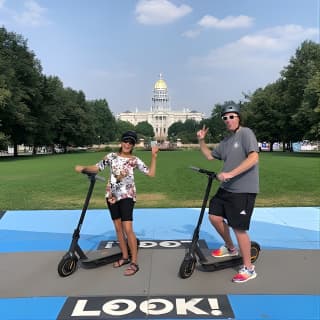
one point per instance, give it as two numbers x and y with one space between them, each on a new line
100 178
194 168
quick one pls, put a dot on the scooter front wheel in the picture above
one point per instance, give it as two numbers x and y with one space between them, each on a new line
187 267
67 266
255 251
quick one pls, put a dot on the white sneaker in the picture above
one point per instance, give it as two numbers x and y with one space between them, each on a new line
244 275
223 251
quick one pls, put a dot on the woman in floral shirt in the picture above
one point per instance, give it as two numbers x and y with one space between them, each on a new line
121 194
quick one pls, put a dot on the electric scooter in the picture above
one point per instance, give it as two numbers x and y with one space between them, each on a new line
203 256
69 261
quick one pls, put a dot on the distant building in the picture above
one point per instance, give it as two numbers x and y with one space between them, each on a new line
160 116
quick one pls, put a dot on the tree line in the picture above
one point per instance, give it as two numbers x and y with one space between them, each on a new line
286 111
37 110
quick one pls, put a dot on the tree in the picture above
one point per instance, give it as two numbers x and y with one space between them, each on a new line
175 129
4 141
104 122
74 125
144 129
287 110
307 117
265 113
123 126
20 89
4 99
186 131
50 113
5 94
297 76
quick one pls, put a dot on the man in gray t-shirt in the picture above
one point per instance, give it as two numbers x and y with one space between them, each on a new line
233 204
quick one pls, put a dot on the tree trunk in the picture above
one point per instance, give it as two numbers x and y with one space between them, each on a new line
15 150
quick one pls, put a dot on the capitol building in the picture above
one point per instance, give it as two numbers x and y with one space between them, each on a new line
160 116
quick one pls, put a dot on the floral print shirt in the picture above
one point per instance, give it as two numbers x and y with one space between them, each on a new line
121 182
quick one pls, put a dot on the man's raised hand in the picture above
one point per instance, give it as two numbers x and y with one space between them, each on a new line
201 134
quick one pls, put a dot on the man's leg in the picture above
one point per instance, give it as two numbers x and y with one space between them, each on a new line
244 246
223 229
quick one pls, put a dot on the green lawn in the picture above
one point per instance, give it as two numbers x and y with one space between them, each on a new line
49 182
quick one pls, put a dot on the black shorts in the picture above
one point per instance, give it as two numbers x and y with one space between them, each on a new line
122 209
236 208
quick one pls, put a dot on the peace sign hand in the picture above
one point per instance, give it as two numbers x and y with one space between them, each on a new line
201 134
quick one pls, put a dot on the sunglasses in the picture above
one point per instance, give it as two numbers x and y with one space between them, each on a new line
231 117
128 141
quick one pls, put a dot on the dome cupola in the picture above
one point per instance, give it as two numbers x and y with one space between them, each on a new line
160 84
160 99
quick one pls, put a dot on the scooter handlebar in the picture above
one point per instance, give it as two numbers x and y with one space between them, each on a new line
93 175
207 172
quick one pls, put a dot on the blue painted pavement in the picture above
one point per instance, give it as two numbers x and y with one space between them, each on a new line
51 230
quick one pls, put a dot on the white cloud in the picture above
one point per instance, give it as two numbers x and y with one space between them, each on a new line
228 22
156 12
267 48
33 15
253 61
210 22
277 39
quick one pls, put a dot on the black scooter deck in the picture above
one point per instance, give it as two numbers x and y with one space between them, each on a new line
214 264
101 257
210 263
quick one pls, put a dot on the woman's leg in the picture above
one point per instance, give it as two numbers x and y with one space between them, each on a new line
132 240
121 238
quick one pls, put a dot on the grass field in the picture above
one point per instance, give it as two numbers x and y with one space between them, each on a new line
50 182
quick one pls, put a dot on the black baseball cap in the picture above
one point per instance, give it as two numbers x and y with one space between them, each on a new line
130 136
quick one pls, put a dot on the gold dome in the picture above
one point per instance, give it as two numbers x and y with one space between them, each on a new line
160 84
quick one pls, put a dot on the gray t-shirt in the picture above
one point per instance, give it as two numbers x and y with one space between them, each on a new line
233 149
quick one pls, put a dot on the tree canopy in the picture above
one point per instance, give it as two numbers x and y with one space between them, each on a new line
37 110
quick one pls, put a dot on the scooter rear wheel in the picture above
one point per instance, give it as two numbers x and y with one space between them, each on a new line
255 251
187 267
67 266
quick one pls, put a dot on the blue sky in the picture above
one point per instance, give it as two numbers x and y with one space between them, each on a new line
208 51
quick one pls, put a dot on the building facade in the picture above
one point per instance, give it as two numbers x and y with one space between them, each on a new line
160 116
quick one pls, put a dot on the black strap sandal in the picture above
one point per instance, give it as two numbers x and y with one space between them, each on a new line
121 262
132 269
